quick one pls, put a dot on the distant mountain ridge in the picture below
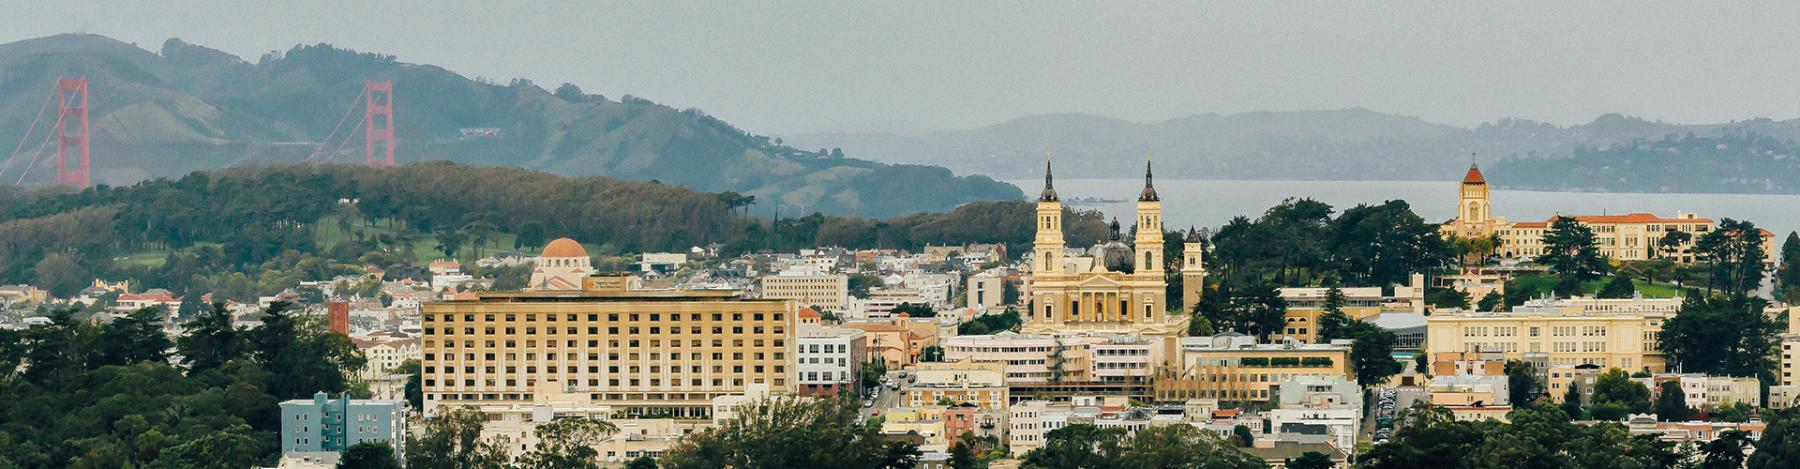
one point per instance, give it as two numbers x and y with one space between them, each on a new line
188 107
1347 144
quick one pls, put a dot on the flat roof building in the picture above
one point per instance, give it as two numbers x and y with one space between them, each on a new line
642 353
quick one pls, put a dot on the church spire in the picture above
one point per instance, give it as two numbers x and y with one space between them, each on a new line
1049 194
1149 193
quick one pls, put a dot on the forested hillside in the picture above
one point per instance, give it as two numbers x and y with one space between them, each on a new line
1740 162
257 229
188 108
1354 144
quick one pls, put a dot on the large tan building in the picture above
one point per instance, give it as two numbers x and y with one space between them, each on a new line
1621 333
1629 237
641 353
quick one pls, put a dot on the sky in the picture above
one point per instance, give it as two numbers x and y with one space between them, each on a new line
783 68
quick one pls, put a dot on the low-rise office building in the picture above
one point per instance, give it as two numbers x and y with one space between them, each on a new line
961 382
828 359
1234 367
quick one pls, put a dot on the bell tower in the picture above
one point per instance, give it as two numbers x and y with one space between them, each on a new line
1474 209
1149 240
1047 247
1193 270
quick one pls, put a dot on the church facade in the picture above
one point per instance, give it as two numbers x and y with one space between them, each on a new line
1116 288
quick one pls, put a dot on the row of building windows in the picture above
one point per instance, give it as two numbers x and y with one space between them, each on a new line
612 330
594 317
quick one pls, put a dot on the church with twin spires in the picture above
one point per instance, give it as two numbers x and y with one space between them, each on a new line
1115 288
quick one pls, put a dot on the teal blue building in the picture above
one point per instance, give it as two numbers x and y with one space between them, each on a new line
326 425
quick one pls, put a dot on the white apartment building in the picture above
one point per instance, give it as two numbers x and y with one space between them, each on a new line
1709 392
809 287
1027 357
386 353
1028 421
826 359
882 301
1120 359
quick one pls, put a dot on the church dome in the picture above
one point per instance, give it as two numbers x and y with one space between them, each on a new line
1114 254
564 247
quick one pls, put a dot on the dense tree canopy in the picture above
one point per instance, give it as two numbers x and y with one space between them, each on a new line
792 433
283 216
1734 250
1572 251
1539 436
1298 243
104 395
1371 353
1078 446
1727 336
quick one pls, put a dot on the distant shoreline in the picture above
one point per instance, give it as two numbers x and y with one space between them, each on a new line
1031 186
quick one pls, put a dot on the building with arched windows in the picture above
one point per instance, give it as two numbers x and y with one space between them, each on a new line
1099 323
1115 288
1628 237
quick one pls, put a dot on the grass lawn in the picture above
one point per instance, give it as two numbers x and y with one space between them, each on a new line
1546 283
151 258
425 248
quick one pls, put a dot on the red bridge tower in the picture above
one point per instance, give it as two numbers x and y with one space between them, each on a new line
378 130
72 99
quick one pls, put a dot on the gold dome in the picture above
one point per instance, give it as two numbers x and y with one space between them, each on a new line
564 247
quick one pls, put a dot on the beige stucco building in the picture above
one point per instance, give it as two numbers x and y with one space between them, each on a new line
809 287
1608 333
965 381
1629 237
1233 367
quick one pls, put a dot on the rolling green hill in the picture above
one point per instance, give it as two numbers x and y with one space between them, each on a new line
187 107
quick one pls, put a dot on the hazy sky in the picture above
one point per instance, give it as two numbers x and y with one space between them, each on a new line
790 67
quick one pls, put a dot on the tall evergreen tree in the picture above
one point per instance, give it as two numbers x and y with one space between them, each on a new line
1789 276
211 340
1619 287
1735 251
1573 251
1671 402
1571 404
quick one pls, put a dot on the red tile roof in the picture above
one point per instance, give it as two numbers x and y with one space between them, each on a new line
1474 176
1627 218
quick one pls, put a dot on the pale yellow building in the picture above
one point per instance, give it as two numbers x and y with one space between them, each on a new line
1117 288
663 353
1629 237
1605 333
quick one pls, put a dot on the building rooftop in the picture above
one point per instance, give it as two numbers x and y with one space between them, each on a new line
564 247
